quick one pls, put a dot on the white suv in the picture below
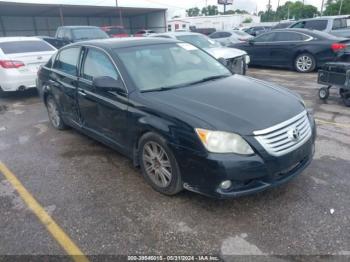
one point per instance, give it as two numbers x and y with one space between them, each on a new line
20 60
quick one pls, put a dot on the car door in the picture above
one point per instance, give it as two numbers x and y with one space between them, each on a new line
259 49
63 82
282 50
103 113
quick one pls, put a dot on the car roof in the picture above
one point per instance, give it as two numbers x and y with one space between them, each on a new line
177 33
19 39
78 26
111 43
323 18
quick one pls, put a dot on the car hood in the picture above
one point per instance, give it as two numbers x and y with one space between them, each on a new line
234 104
224 52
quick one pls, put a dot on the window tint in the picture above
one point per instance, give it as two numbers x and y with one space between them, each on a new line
97 64
89 33
289 36
316 24
299 25
225 34
269 37
215 35
67 61
15 47
340 23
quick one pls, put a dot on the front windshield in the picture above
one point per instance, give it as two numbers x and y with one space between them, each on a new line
172 65
89 33
199 40
240 33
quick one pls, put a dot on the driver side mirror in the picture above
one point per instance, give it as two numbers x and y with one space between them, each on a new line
222 61
107 83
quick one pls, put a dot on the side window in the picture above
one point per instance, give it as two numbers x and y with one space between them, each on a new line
215 35
316 24
225 34
67 60
340 23
268 37
288 37
98 64
67 34
299 25
60 33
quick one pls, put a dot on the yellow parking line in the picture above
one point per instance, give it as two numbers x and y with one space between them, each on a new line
332 123
58 234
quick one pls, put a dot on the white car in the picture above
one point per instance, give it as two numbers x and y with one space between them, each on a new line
20 60
235 59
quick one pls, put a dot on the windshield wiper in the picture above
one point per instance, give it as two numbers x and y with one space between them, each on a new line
206 79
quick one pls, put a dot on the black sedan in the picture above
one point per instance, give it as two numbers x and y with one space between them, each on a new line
180 115
298 49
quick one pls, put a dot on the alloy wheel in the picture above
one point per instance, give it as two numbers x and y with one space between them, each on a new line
304 63
157 164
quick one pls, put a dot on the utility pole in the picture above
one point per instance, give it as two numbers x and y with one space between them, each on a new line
120 13
268 10
341 7
322 7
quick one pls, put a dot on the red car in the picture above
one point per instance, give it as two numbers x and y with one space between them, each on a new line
115 31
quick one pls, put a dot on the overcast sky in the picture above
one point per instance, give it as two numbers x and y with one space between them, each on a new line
175 7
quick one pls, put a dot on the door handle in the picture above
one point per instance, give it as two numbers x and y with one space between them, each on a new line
82 92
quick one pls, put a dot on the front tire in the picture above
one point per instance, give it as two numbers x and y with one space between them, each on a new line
305 63
159 166
54 113
323 93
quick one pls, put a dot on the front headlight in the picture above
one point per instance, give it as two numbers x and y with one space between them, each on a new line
247 59
224 142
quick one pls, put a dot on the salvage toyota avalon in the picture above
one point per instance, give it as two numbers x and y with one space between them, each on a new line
180 115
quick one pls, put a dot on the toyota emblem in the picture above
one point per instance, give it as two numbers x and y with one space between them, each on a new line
294 134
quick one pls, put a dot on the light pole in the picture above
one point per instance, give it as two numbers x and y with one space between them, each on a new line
341 7
322 7
120 13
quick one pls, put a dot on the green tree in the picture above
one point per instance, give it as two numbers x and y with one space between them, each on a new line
333 7
210 10
296 10
193 11
247 20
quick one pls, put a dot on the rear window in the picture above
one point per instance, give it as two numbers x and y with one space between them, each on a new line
15 47
341 23
88 33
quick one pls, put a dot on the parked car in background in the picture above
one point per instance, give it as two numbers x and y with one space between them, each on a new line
204 31
283 25
52 41
335 25
20 60
180 115
257 30
230 37
73 34
115 31
236 60
300 49
143 33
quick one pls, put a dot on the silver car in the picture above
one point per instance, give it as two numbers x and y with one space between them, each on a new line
227 38
335 25
235 59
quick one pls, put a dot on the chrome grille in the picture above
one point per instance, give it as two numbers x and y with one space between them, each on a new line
286 136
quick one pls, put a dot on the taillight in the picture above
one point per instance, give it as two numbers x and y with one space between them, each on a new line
11 64
338 47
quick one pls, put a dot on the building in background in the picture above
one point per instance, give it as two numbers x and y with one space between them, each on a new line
219 22
24 19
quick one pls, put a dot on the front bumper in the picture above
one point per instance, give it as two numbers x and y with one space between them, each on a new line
248 174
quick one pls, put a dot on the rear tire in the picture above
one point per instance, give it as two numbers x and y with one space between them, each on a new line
158 164
54 114
305 63
345 95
